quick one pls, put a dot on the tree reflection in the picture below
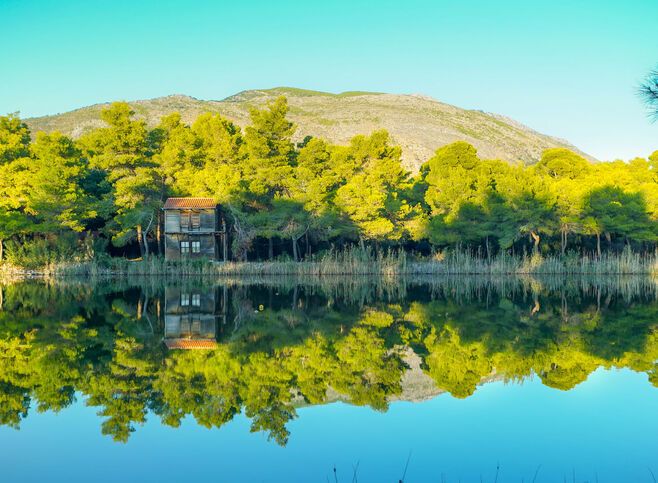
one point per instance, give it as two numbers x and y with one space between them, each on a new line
277 347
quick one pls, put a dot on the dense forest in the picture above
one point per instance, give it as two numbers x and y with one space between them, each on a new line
64 199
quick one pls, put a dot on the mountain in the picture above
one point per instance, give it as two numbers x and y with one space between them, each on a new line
419 124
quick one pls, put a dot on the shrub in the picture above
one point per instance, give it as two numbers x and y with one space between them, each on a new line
40 252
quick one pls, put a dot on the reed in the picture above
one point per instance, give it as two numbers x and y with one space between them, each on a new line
358 261
364 289
352 261
465 262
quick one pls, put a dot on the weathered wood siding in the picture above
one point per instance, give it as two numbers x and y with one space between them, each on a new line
190 313
189 229
192 326
181 300
207 221
207 246
172 248
172 221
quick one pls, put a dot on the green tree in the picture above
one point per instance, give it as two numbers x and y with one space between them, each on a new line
566 173
14 139
533 204
121 151
269 151
56 184
649 92
375 193
314 186
14 162
267 159
467 199
609 210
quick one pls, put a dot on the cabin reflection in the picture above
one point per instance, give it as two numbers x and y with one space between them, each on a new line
192 315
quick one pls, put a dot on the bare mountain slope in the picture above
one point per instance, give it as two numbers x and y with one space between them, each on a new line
417 123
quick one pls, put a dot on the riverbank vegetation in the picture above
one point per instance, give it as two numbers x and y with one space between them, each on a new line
355 261
74 202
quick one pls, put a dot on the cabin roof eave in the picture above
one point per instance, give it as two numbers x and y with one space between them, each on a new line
190 204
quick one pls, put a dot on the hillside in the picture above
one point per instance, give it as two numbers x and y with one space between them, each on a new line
417 123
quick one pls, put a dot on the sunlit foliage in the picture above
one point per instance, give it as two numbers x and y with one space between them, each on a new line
284 198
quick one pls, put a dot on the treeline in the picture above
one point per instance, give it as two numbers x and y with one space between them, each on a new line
62 198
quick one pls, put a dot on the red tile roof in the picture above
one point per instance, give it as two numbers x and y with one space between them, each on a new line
185 203
190 344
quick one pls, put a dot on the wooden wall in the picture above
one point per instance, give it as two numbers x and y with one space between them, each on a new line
208 246
190 313
207 218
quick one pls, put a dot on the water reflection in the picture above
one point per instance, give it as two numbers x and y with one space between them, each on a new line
191 317
215 349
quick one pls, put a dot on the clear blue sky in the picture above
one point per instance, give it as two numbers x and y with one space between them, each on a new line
567 68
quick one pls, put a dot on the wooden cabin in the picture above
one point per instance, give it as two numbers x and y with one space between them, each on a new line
194 228
190 318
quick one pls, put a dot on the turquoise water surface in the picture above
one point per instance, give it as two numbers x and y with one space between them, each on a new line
497 381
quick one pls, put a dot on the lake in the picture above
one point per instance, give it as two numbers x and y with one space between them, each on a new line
340 379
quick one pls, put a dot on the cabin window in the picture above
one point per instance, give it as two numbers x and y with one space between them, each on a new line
185 299
195 328
196 247
185 326
195 220
196 300
185 247
190 220
184 221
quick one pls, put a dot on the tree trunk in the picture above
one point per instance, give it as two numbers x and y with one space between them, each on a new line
486 243
536 307
139 308
598 245
139 240
308 245
224 303
2 249
295 256
564 307
146 303
295 297
224 241
145 234
158 234
146 245
535 239
564 241
270 248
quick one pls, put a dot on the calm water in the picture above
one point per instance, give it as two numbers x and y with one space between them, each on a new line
454 380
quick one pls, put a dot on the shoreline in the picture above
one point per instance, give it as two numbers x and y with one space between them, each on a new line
387 266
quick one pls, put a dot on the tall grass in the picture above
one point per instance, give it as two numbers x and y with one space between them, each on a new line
155 276
352 261
357 261
467 263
